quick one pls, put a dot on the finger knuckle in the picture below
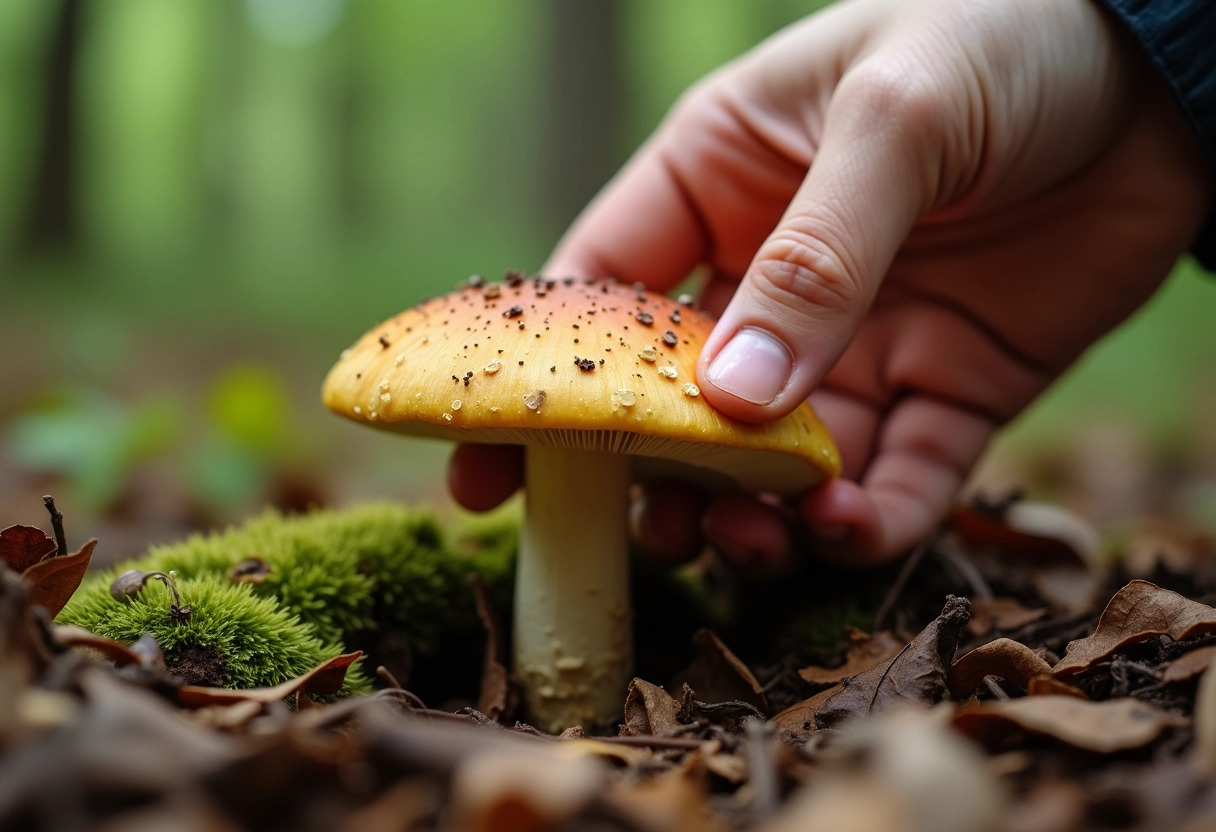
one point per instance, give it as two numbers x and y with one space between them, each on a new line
897 94
799 270
697 104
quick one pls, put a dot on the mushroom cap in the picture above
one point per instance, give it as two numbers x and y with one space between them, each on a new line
577 363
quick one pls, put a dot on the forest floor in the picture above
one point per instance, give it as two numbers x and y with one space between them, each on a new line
1014 679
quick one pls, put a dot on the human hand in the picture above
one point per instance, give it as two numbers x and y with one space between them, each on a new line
918 214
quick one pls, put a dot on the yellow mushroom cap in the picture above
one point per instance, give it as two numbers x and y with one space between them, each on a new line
577 363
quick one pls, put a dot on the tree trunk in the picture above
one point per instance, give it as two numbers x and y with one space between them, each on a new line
52 221
583 123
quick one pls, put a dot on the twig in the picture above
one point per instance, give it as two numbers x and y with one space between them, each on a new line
445 715
388 677
61 543
994 687
955 557
412 699
648 741
762 769
672 743
901 582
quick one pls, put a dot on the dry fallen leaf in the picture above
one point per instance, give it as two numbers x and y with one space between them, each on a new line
864 652
716 674
1189 665
1050 805
1139 611
1051 686
902 772
1038 533
254 570
409 805
650 711
53 581
1163 547
1004 657
1204 752
799 719
1059 549
916 675
1066 589
69 635
1000 614
23 546
624 755
674 799
1101 727
730 767
523 790
323 680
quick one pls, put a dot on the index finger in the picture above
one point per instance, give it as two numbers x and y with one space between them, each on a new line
642 227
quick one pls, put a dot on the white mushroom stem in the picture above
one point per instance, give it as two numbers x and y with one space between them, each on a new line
573 642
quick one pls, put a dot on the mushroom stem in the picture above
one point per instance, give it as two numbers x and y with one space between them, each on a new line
573 634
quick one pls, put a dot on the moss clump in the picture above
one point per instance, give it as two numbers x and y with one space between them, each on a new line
257 642
331 576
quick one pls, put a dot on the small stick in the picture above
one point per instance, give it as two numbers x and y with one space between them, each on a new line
901 581
389 678
644 741
412 700
61 543
763 770
994 687
951 554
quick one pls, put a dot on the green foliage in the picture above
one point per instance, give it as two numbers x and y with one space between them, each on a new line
332 575
249 404
92 440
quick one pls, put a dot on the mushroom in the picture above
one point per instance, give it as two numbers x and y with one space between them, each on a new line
597 379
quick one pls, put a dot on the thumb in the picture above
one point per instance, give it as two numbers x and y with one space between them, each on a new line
814 278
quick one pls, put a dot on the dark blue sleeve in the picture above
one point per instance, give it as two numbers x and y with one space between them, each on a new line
1179 37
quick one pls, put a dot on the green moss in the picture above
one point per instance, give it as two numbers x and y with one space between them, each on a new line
825 626
387 574
259 642
332 575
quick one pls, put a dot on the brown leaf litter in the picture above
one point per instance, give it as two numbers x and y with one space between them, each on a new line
901 734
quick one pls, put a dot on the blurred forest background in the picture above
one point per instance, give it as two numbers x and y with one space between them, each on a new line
202 203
